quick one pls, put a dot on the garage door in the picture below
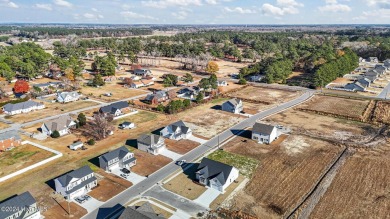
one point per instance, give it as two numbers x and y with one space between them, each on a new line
78 193
217 187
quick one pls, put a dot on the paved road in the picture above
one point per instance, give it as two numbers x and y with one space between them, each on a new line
121 199
385 91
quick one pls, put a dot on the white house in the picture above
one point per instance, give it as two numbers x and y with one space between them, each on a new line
263 133
77 145
233 106
62 124
23 107
118 158
178 130
23 206
65 97
222 83
153 144
127 125
76 183
215 174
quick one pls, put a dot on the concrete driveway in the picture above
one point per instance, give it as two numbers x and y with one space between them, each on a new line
207 197
171 154
196 139
90 205
133 177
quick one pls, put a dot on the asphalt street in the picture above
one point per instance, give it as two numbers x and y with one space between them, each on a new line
111 206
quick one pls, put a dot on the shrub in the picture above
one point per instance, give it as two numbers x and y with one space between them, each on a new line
55 134
242 81
91 141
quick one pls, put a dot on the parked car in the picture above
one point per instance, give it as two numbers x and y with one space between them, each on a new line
124 170
87 197
80 200
123 176
180 162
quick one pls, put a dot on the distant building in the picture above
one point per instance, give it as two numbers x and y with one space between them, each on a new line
157 97
115 109
62 124
9 139
23 107
65 97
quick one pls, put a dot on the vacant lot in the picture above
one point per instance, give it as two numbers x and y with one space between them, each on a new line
265 95
60 211
181 147
254 108
207 120
51 109
185 184
282 178
349 108
3 125
148 163
117 90
382 112
21 157
360 189
245 165
107 189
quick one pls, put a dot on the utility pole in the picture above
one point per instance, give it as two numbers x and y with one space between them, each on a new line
68 208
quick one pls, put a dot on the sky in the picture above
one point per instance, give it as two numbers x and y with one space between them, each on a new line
196 11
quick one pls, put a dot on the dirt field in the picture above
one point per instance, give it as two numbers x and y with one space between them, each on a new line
254 108
21 157
206 121
51 109
3 125
349 108
117 90
181 147
231 86
60 211
184 185
107 189
265 95
360 189
382 112
148 163
282 178
221 198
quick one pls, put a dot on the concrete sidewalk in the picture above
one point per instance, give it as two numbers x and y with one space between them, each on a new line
207 197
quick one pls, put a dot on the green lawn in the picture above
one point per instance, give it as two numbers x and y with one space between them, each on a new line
245 165
219 100
140 117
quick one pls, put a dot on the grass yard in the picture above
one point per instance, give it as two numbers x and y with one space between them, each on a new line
266 95
350 108
117 90
184 185
245 165
140 117
254 108
282 178
182 146
51 109
21 157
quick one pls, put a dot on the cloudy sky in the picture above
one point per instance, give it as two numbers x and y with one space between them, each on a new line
197 11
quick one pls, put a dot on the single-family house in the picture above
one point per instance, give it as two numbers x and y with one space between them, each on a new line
142 72
137 84
77 145
147 82
234 106
23 107
373 59
215 174
135 77
256 78
386 63
263 133
127 125
365 82
76 183
356 86
62 124
145 211
65 97
176 131
46 86
115 109
118 158
152 143
9 139
188 93
157 97
222 83
23 206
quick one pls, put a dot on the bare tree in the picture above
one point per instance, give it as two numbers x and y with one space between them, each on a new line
98 128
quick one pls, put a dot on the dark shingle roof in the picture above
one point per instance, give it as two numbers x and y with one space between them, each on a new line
262 128
149 139
21 201
79 173
9 134
59 123
117 153
143 212
234 102
113 107
214 169
184 128
18 106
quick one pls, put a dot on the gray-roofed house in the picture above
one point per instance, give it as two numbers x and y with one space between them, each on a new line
386 63
45 86
215 174
152 143
176 131
373 59
62 124
355 87
158 97
145 211
23 206
364 82
9 139
23 107
118 158
65 97
76 183
142 72
234 106
115 109
263 133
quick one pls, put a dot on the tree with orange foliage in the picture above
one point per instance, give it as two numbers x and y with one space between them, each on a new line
212 67
21 86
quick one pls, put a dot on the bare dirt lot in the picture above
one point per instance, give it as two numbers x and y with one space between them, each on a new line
181 147
265 95
349 108
60 211
3 125
51 109
382 112
148 163
207 121
360 189
21 157
273 190
107 189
